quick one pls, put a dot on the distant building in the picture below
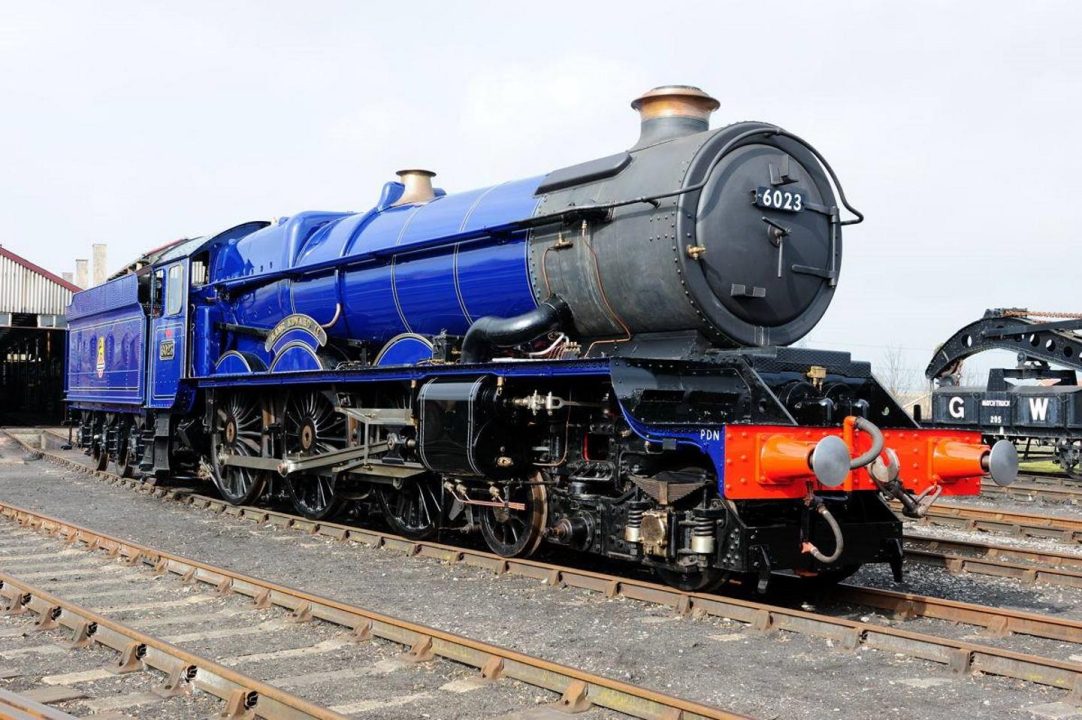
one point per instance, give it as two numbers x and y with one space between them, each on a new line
33 302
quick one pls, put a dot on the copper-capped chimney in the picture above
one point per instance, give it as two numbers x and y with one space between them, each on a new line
671 111
418 186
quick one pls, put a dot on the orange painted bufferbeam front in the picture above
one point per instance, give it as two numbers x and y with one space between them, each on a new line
771 462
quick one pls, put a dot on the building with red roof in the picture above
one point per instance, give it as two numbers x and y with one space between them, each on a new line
33 301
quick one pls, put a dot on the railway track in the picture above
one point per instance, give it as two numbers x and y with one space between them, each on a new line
959 654
363 643
1022 564
968 517
1031 488
182 671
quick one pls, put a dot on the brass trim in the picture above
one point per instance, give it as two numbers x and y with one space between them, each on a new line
418 186
675 101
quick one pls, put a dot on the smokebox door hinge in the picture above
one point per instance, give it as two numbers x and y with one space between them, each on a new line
754 291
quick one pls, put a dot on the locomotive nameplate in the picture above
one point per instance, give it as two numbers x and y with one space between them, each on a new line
777 199
167 349
296 321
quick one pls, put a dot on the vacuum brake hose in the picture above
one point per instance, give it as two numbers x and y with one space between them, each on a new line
877 443
839 541
860 461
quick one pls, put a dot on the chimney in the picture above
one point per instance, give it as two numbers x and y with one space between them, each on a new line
99 263
671 111
67 277
81 276
418 187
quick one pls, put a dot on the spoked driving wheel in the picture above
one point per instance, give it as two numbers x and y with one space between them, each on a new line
516 528
312 428
238 431
413 509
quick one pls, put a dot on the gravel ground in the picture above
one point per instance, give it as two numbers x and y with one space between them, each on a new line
711 660
34 654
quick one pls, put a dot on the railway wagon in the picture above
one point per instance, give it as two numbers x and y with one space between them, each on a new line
1037 404
594 358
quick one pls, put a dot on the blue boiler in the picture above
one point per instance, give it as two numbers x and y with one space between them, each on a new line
394 270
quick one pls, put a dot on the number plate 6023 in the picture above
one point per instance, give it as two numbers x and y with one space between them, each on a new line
777 199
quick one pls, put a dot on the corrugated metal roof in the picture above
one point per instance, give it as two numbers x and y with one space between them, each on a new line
29 288
181 249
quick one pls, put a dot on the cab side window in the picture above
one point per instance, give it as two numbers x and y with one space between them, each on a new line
174 290
156 285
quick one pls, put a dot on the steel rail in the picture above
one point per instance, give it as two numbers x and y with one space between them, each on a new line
1033 491
992 551
579 688
997 561
998 621
1028 524
1053 476
761 616
139 650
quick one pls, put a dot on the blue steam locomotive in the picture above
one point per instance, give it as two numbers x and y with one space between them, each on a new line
593 358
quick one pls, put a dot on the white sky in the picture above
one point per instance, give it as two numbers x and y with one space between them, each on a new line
954 126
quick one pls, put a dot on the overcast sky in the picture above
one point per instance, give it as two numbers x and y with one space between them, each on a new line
955 127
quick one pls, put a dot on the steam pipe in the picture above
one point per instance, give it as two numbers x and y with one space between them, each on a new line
492 332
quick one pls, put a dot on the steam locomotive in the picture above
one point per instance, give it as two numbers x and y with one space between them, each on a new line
594 358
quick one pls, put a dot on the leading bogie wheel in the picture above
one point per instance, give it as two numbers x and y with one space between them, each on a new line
413 509
697 580
516 528
238 430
